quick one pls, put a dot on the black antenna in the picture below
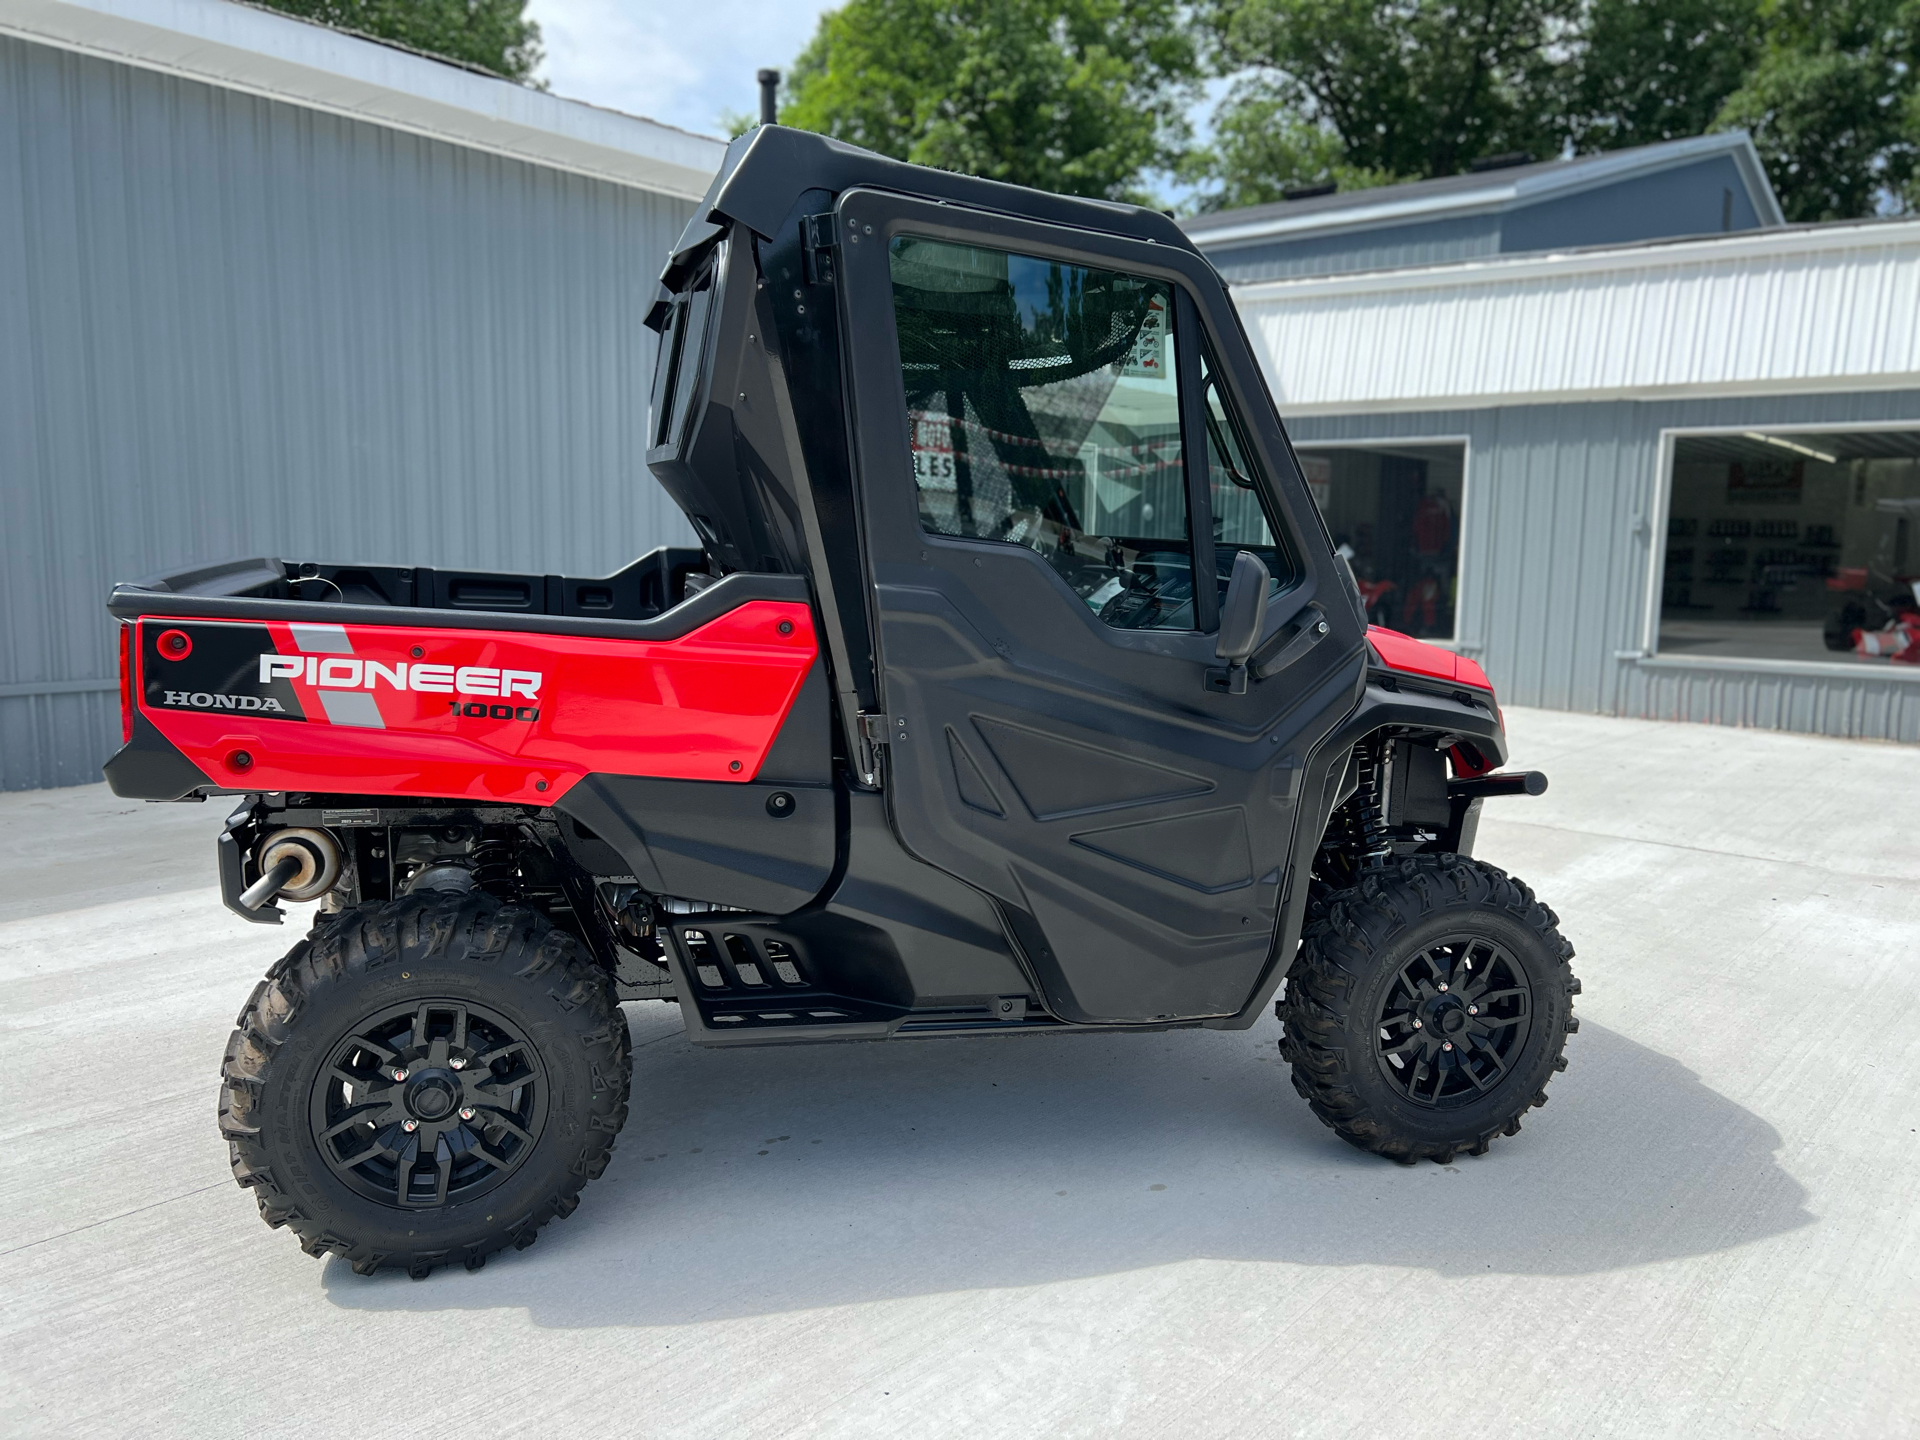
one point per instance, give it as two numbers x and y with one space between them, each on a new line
769 88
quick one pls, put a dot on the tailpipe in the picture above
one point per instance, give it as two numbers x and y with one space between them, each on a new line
297 864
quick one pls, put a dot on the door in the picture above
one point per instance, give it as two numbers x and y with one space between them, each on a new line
1056 472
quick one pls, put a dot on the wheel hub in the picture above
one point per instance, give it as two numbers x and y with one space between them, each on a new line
432 1096
1452 1021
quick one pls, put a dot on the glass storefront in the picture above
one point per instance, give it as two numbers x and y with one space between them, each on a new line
1394 511
1795 545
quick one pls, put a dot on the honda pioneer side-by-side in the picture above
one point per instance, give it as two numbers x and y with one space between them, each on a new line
1015 688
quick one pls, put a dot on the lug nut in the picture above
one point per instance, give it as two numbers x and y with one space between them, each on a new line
1416 1024
1473 1009
1443 986
466 1112
1447 1046
457 1064
409 1125
399 1074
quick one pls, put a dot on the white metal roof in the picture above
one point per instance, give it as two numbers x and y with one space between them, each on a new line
1481 193
240 47
1811 308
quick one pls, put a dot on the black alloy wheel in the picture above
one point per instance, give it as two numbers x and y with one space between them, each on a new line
429 1103
1428 1007
1452 1020
425 1081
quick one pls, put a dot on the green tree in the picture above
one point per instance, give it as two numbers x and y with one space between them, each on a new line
1641 71
1263 147
492 35
1081 97
1410 88
1833 105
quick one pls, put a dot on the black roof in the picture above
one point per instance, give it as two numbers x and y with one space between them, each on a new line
769 167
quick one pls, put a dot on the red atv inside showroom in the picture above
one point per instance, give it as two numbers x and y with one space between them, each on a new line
1016 688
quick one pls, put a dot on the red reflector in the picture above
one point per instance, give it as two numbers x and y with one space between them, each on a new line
126 684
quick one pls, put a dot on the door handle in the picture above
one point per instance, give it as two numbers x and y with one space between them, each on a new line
1308 632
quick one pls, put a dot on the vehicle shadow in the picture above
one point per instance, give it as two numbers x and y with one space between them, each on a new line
763 1181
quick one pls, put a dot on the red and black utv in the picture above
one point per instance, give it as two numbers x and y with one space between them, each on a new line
1016 689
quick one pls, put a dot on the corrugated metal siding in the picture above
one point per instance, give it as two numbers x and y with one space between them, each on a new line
1785 311
1430 242
1817 706
1554 576
230 326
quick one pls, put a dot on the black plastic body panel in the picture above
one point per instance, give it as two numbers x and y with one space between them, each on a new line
802 751
150 767
231 861
1417 787
896 945
714 840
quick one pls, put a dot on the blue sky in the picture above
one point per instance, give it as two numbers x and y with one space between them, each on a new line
683 63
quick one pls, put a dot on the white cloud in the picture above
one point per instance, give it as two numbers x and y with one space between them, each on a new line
682 63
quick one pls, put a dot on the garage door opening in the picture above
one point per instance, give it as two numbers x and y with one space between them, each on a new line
1394 510
1796 545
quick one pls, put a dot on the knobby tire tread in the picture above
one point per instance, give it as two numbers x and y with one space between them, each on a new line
519 945
1345 930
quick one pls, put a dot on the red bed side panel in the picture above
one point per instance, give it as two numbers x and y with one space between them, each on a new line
484 714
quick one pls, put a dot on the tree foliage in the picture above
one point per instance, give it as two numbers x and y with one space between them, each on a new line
1082 97
1642 71
1361 90
1089 97
1262 148
1834 104
1410 88
493 35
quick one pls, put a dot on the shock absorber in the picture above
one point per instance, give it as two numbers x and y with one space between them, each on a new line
1375 846
493 865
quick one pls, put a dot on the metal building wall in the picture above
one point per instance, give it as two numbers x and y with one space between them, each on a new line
1832 307
230 327
1555 550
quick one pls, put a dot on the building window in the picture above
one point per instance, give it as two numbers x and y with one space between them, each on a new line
1794 546
1394 511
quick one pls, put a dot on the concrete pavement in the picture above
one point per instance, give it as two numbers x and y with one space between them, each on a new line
1711 1230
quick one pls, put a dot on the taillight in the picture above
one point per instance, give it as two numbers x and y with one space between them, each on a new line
126 684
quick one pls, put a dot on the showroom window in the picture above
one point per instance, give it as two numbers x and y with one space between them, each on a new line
1800 545
1394 512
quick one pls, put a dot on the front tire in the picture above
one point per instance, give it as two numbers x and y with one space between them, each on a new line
425 1081
1428 1007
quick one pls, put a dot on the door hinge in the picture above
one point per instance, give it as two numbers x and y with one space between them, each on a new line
816 248
873 729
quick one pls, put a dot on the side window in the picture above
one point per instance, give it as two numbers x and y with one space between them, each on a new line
1240 521
1045 412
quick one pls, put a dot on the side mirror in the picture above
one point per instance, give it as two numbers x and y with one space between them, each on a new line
1243 617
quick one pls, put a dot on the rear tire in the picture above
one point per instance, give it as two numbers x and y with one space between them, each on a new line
1428 1007
425 1081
